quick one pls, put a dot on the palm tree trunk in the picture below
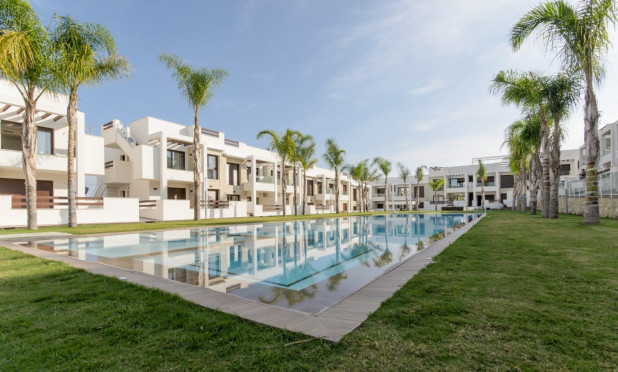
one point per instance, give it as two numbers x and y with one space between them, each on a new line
295 191
72 119
554 170
545 165
197 179
283 185
28 142
385 193
483 193
337 190
534 183
304 192
591 139
407 202
418 192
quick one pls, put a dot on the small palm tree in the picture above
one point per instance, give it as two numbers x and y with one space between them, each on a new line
284 146
436 185
26 60
419 178
86 55
196 86
404 173
363 174
481 173
334 158
301 154
385 166
579 35
306 151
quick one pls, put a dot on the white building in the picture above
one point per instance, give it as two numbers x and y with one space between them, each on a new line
151 159
51 165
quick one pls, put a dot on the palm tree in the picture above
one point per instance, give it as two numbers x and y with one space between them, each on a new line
334 158
385 166
283 145
307 161
436 185
196 86
27 62
481 173
404 173
563 92
363 174
419 178
87 55
579 35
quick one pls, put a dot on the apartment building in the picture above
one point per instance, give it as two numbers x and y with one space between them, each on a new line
151 159
396 195
51 165
608 155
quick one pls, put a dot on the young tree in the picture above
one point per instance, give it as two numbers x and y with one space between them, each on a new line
283 145
436 185
419 178
27 62
579 36
334 158
481 173
385 166
306 152
86 55
404 173
196 86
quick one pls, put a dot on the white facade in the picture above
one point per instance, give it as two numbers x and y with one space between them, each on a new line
51 164
152 159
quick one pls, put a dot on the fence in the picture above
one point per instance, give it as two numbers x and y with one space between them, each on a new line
19 202
608 186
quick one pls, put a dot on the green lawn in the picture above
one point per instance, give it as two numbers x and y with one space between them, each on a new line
141 226
516 292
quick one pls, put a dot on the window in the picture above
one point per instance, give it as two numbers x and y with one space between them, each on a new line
502 198
233 175
565 169
11 138
45 141
309 187
175 159
354 194
176 193
213 167
420 190
380 191
232 197
213 194
319 187
507 181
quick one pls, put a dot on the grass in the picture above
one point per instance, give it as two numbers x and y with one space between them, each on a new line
516 292
141 226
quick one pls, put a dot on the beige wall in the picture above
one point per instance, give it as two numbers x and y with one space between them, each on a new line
607 207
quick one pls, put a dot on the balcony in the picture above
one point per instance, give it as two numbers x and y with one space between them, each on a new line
179 175
54 163
118 171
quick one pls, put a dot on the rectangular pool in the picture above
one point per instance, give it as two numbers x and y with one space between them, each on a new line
305 265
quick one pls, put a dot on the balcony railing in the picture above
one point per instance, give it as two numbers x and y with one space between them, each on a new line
265 179
210 132
480 184
231 142
216 204
19 201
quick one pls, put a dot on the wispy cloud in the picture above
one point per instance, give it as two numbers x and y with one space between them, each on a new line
429 87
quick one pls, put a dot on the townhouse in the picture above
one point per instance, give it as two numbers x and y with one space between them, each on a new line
151 159
51 165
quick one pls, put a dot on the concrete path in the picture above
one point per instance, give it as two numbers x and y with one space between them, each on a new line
330 324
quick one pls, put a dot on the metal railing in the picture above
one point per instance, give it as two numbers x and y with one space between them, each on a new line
608 186
19 201
210 132
216 204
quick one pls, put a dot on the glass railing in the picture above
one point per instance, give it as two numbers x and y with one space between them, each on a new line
265 179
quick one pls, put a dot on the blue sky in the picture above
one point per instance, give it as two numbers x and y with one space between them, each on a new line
405 80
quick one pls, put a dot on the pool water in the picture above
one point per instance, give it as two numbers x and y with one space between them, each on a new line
307 265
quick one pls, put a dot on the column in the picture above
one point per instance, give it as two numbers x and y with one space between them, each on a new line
163 167
474 190
204 176
275 180
80 154
253 180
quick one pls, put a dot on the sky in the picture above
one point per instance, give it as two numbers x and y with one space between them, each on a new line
404 80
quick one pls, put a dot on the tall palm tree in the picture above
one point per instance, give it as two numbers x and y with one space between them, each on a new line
306 151
283 145
27 62
436 185
303 142
563 92
481 173
385 166
355 172
404 173
579 36
419 178
196 86
87 55
528 91
363 174
334 158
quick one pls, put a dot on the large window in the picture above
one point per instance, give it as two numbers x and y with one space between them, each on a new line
213 167
309 187
506 181
233 176
420 190
175 159
11 138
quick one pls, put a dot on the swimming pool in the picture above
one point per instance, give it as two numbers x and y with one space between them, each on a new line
305 265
